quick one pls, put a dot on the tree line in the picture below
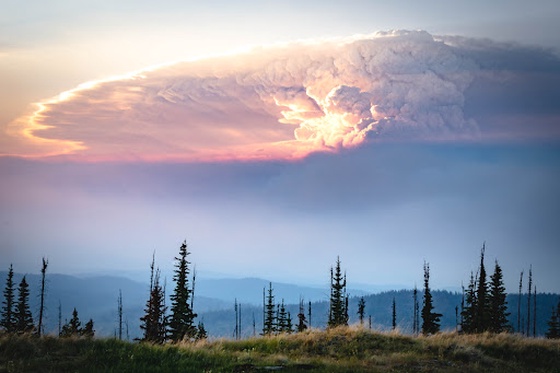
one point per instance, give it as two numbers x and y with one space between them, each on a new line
16 316
483 307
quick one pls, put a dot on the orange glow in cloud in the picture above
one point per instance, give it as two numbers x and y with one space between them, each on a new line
281 102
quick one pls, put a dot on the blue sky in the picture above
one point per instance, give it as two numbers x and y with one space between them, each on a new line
387 148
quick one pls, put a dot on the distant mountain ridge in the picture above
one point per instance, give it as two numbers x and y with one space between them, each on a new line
95 297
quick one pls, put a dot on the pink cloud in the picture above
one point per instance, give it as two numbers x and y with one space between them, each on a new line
280 102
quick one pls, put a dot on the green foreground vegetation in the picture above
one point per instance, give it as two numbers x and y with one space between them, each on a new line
345 349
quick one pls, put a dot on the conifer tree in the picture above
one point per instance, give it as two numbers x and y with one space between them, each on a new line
282 318
270 317
72 327
201 333
289 324
519 303
338 310
394 314
529 300
301 326
415 313
498 315
361 310
309 313
181 325
87 330
23 317
535 312
430 319
481 306
8 321
154 321
59 318
468 314
553 331
120 313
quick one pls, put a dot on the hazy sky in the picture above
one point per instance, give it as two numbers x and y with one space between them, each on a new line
274 136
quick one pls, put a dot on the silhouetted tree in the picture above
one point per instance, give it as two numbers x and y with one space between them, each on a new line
519 303
23 317
87 330
201 332
289 324
498 315
301 326
361 310
283 319
59 318
270 319
430 319
237 332
394 314
8 321
154 321
42 301
72 327
120 313
481 322
181 324
309 313
553 331
535 312
416 312
529 287
468 314
338 310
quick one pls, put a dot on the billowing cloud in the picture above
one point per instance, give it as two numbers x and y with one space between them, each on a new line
279 102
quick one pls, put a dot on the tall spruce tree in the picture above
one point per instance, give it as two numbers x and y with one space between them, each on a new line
338 310
23 317
361 310
529 288
283 319
394 314
8 320
430 319
181 325
302 322
154 321
481 322
415 312
270 315
120 313
468 314
498 315
519 303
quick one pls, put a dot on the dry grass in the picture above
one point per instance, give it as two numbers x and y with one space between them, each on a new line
350 349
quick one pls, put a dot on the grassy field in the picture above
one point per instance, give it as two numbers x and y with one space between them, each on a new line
339 350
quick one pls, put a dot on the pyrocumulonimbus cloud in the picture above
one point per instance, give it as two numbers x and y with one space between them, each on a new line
278 102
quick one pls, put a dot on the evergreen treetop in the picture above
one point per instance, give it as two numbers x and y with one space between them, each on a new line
8 317
181 324
154 321
270 316
498 315
23 317
338 310
430 319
